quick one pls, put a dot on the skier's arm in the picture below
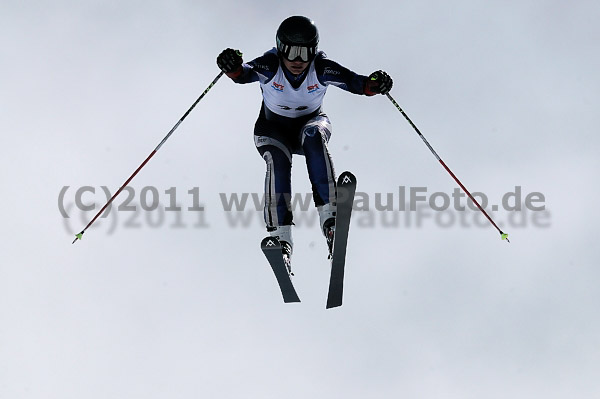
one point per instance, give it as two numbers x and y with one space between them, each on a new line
262 68
331 73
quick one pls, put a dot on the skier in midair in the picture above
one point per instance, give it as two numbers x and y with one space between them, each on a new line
293 79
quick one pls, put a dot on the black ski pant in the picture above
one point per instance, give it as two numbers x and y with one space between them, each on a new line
277 139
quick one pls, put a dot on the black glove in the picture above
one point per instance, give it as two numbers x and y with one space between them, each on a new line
230 60
378 83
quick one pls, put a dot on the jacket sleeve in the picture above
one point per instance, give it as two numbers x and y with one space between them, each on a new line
260 69
331 73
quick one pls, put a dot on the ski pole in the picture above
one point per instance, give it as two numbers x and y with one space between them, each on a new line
503 235
79 236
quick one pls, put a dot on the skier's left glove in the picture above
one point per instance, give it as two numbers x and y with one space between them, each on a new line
378 82
230 62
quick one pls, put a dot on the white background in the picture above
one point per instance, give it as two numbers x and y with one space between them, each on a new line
505 91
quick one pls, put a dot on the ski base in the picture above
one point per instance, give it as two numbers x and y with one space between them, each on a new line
272 250
346 188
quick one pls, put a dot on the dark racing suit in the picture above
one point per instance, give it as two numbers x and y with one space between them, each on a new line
291 121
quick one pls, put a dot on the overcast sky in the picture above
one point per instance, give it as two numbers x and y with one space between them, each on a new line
168 304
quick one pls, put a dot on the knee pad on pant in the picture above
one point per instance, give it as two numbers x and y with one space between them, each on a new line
311 131
319 128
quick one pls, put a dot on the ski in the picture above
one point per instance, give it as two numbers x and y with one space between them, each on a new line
272 250
346 188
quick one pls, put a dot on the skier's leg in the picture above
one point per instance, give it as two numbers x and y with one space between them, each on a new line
315 136
278 186
277 213
270 140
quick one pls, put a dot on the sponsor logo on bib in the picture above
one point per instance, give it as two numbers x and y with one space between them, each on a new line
277 86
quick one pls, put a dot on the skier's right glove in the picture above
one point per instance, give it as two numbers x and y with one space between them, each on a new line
378 83
230 61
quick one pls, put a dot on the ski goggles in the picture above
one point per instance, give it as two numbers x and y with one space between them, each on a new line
292 53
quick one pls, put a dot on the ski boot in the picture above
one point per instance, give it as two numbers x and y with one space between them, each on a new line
284 235
327 214
329 231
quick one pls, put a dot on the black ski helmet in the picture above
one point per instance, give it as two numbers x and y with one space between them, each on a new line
297 37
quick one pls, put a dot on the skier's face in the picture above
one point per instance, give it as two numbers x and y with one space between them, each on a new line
295 67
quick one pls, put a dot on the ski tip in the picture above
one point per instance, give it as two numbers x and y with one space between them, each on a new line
504 236
347 178
270 242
